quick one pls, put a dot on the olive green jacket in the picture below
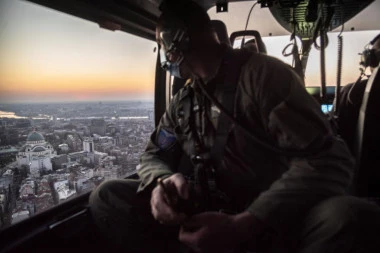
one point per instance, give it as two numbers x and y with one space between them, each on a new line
272 102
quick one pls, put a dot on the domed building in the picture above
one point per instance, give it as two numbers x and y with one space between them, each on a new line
36 154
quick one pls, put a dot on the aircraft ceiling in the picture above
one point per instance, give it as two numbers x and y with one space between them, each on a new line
139 16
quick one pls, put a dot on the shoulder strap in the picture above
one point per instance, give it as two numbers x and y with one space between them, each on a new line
236 59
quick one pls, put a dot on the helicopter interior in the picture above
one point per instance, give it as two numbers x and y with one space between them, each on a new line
69 227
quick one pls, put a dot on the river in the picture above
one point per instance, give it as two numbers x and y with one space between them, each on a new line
12 115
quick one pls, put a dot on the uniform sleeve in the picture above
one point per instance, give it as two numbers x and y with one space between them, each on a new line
162 153
293 120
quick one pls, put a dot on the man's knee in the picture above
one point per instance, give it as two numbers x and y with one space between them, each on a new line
344 211
341 224
125 218
105 195
112 200
111 190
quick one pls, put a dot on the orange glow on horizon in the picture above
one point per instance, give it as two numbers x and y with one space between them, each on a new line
46 83
60 57
91 86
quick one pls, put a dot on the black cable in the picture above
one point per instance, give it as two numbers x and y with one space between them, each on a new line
339 74
315 34
339 67
284 53
296 63
323 67
262 143
318 27
246 24
362 74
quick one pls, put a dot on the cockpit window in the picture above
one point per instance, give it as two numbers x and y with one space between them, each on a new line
353 44
76 107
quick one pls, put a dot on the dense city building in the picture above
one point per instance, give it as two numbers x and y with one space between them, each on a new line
44 162
98 126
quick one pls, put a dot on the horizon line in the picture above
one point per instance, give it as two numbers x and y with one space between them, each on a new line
84 101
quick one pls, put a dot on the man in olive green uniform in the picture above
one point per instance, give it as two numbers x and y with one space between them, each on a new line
277 177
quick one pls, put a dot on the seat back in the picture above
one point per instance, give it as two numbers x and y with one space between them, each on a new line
366 149
221 30
252 33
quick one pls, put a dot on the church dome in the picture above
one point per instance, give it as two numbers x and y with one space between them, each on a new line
35 136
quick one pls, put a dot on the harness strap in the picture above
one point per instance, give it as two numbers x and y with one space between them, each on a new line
234 61
206 161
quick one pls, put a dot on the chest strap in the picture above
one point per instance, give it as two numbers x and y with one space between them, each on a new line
233 63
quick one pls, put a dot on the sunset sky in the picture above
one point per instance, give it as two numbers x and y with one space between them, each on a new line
48 56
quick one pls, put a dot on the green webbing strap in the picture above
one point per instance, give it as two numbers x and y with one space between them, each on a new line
234 61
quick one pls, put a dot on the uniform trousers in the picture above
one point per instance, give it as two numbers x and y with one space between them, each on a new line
343 224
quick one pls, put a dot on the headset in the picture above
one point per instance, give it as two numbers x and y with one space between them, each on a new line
174 37
175 43
370 57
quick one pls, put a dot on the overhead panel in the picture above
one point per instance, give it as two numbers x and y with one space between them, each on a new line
139 16
136 17
303 16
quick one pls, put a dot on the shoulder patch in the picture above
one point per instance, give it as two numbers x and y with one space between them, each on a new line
165 139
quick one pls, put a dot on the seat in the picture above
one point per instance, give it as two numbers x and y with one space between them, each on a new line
366 181
259 41
221 30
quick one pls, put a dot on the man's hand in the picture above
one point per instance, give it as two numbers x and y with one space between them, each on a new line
165 197
217 232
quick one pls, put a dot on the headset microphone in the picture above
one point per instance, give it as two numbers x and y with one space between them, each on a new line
370 57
